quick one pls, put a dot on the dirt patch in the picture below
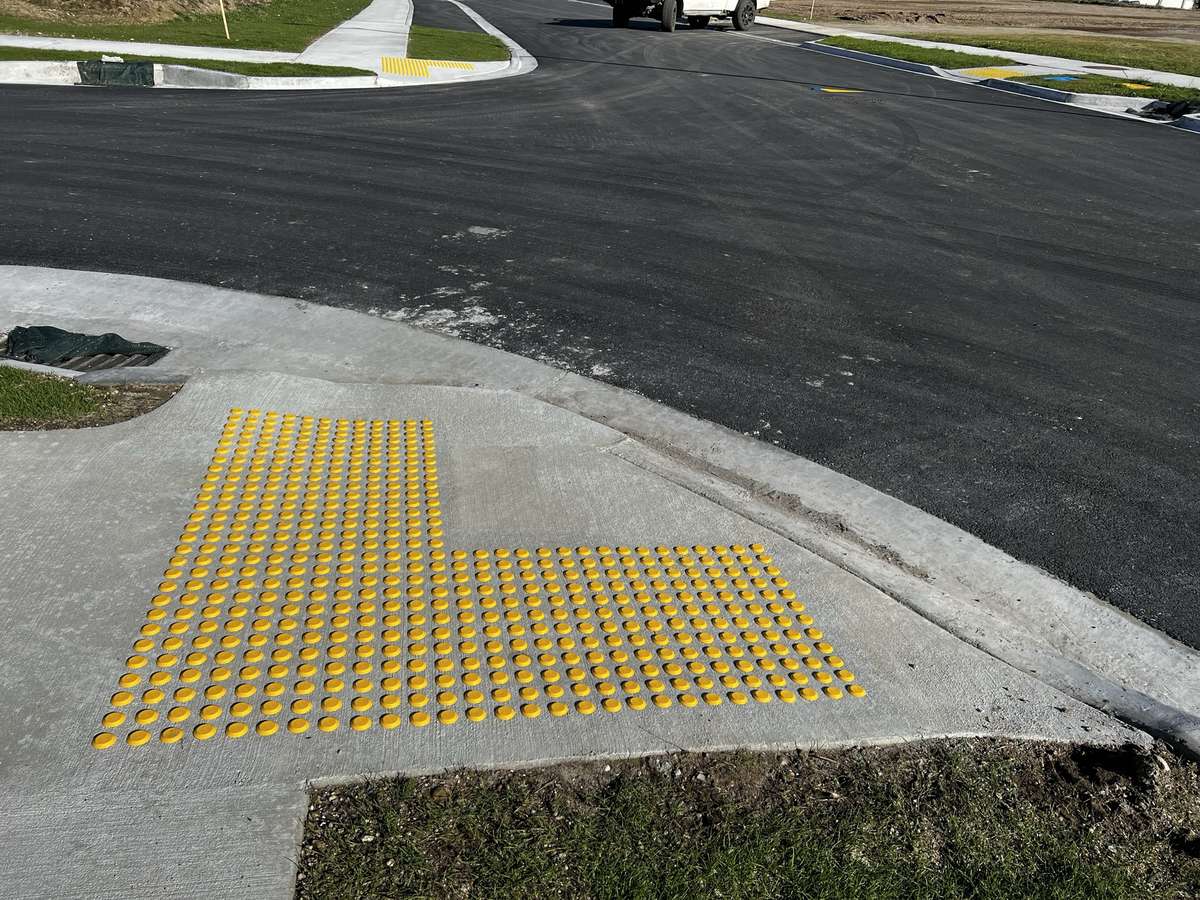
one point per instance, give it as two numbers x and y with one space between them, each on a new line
999 16
116 11
85 406
979 819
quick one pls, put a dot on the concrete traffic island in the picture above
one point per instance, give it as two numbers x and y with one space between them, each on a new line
277 578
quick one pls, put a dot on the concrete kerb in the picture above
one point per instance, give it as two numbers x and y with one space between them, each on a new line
1109 103
1106 103
520 59
1014 612
886 61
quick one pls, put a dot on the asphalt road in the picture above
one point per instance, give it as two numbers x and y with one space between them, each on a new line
984 305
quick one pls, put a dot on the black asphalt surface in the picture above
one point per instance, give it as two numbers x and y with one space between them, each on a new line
442 14
984 305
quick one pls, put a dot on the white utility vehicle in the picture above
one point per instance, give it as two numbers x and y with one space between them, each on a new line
698 13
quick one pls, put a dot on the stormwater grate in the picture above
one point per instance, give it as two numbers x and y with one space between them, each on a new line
108 361
60 349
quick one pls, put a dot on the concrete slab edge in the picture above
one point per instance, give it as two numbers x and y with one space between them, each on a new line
1017 613
43 370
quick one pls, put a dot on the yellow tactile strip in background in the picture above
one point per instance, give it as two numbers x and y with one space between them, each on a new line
419 68
311 588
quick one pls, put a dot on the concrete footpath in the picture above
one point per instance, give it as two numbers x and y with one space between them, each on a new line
348 547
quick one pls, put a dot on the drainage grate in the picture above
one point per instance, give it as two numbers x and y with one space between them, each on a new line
93 362
108 361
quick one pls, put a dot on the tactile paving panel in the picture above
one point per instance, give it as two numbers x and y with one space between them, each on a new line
311 589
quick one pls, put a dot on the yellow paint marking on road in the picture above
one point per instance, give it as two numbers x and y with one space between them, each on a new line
991 72
840 91
312 586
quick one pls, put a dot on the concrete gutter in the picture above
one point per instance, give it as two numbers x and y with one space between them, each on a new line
874 58
1014 612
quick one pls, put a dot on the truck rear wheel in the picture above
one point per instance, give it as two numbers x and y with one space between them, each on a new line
620 15
743 15
698 21
668 15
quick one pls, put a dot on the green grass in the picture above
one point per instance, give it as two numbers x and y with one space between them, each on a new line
1102 84
270 70
277 25
1164 56
980 820
947 59
441 43
27 397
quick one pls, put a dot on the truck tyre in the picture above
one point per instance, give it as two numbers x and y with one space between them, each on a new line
743 15
698 21
620 15
668 15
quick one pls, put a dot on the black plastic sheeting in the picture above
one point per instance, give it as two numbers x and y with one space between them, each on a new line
116 74
49 346
1167 110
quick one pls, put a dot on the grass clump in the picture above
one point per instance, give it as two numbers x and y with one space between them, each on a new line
30 397
443 43
947 59
32 401
958 819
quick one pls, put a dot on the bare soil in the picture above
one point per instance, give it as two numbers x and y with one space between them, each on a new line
116 11
113 403
1000 17
947 819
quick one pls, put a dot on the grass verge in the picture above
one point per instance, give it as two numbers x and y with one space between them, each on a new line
950 819
269 70
1164 56
442 43
1102 84
947 59
277 25
32 401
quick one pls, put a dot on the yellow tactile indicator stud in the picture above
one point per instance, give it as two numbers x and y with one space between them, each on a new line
311 591
419 68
